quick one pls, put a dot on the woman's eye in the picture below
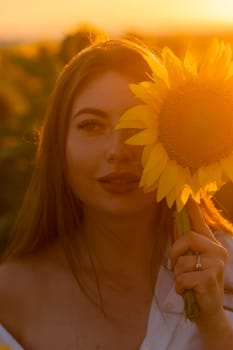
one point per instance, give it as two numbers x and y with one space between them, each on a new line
90 126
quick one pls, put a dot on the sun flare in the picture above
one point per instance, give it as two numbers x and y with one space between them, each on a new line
55 18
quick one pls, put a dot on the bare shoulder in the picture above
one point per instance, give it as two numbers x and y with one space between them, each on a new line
20 277
22 285
15 277
15 288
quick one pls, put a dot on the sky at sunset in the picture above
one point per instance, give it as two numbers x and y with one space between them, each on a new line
22 19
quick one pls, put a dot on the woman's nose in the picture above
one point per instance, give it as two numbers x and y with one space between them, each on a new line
117 148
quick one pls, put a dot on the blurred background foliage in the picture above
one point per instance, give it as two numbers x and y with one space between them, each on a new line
27 75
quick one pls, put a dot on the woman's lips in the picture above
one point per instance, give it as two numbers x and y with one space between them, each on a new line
120 183
119 187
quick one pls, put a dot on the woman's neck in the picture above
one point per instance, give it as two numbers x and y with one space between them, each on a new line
120 246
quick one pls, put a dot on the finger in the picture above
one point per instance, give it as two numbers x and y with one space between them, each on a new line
208 290
187 263
199 281
197 220
193 241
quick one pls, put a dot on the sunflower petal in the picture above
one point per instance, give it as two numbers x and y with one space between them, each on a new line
197 197
158 70
174 68
171 197
155 157
185 194
182 180
194 183
230 71
217 61
151 174
145 137
223 61
179 204
139 116
168 179
130 124
207 63
151 188
149 93
227 165
190 63
182 199
146 154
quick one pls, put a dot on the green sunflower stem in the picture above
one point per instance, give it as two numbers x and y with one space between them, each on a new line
183 225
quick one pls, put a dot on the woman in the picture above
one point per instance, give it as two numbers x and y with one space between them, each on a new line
92 263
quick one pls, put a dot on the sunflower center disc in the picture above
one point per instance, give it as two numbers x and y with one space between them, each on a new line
196 124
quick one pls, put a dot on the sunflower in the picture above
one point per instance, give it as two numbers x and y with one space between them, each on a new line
186 117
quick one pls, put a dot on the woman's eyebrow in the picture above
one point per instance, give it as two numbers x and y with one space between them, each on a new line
89 110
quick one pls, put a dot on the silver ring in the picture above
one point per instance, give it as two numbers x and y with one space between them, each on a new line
198 264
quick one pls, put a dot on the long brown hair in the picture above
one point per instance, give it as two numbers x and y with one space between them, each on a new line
50 210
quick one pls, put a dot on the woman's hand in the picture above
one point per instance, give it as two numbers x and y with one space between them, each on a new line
206 282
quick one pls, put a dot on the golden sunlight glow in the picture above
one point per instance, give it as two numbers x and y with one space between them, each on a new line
52 18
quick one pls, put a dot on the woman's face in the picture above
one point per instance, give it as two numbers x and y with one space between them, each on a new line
103 171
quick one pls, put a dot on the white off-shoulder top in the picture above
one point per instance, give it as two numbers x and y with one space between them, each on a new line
7 339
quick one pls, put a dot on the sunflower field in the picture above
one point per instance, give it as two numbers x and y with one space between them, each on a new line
27 75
